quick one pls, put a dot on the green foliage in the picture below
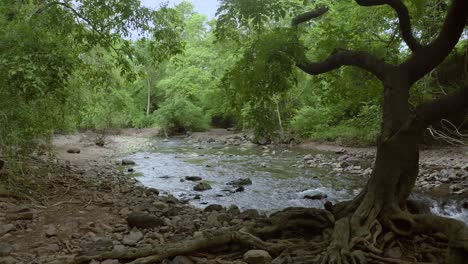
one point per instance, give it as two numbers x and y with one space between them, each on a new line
180 115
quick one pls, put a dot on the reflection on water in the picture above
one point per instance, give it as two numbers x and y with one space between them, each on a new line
278 178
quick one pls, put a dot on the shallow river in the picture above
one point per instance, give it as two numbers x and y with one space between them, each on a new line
278 179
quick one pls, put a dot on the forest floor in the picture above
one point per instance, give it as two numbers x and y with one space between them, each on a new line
68 205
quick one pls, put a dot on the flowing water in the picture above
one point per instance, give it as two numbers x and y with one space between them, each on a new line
279 179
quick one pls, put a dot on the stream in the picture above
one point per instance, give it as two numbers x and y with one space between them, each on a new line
279 177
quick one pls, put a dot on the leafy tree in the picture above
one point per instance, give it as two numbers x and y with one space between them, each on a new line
383 200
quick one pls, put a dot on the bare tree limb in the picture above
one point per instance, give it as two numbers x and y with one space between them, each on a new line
307 16
403 18
343 57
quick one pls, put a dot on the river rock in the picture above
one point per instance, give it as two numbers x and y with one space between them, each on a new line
132 238
150 191
193 178
202 186
142 220
5 249
74 151
234 209
213 207
51 231
257 257
127 162
182 260
319 196
249 214
240 189
241 182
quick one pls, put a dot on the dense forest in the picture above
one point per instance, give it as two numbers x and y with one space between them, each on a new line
173 68
270 69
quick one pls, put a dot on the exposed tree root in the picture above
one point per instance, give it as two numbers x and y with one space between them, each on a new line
157 253
343 246
311 219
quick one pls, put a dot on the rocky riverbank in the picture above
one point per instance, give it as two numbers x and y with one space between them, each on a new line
85 203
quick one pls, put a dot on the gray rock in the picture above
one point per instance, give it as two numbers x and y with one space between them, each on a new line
257 257
240 182
181 260
51 231
249 214
193 178
127 162
202 186
4 229
213 207
152 191
74 151
132 238
234 209
5 249
143 220
308 157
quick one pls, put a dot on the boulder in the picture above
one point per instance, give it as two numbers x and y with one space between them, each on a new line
202 186
142 220
74 151
257 257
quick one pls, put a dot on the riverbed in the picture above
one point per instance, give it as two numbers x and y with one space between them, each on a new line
280 178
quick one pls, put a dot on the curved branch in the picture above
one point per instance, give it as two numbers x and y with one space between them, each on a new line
343 57
443 107
403 18
433 54
307 16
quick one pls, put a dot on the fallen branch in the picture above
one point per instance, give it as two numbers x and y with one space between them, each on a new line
157 253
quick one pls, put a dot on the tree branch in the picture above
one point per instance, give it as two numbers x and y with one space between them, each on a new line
307 16
73 10
444 107
433 54
343 57
403 18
